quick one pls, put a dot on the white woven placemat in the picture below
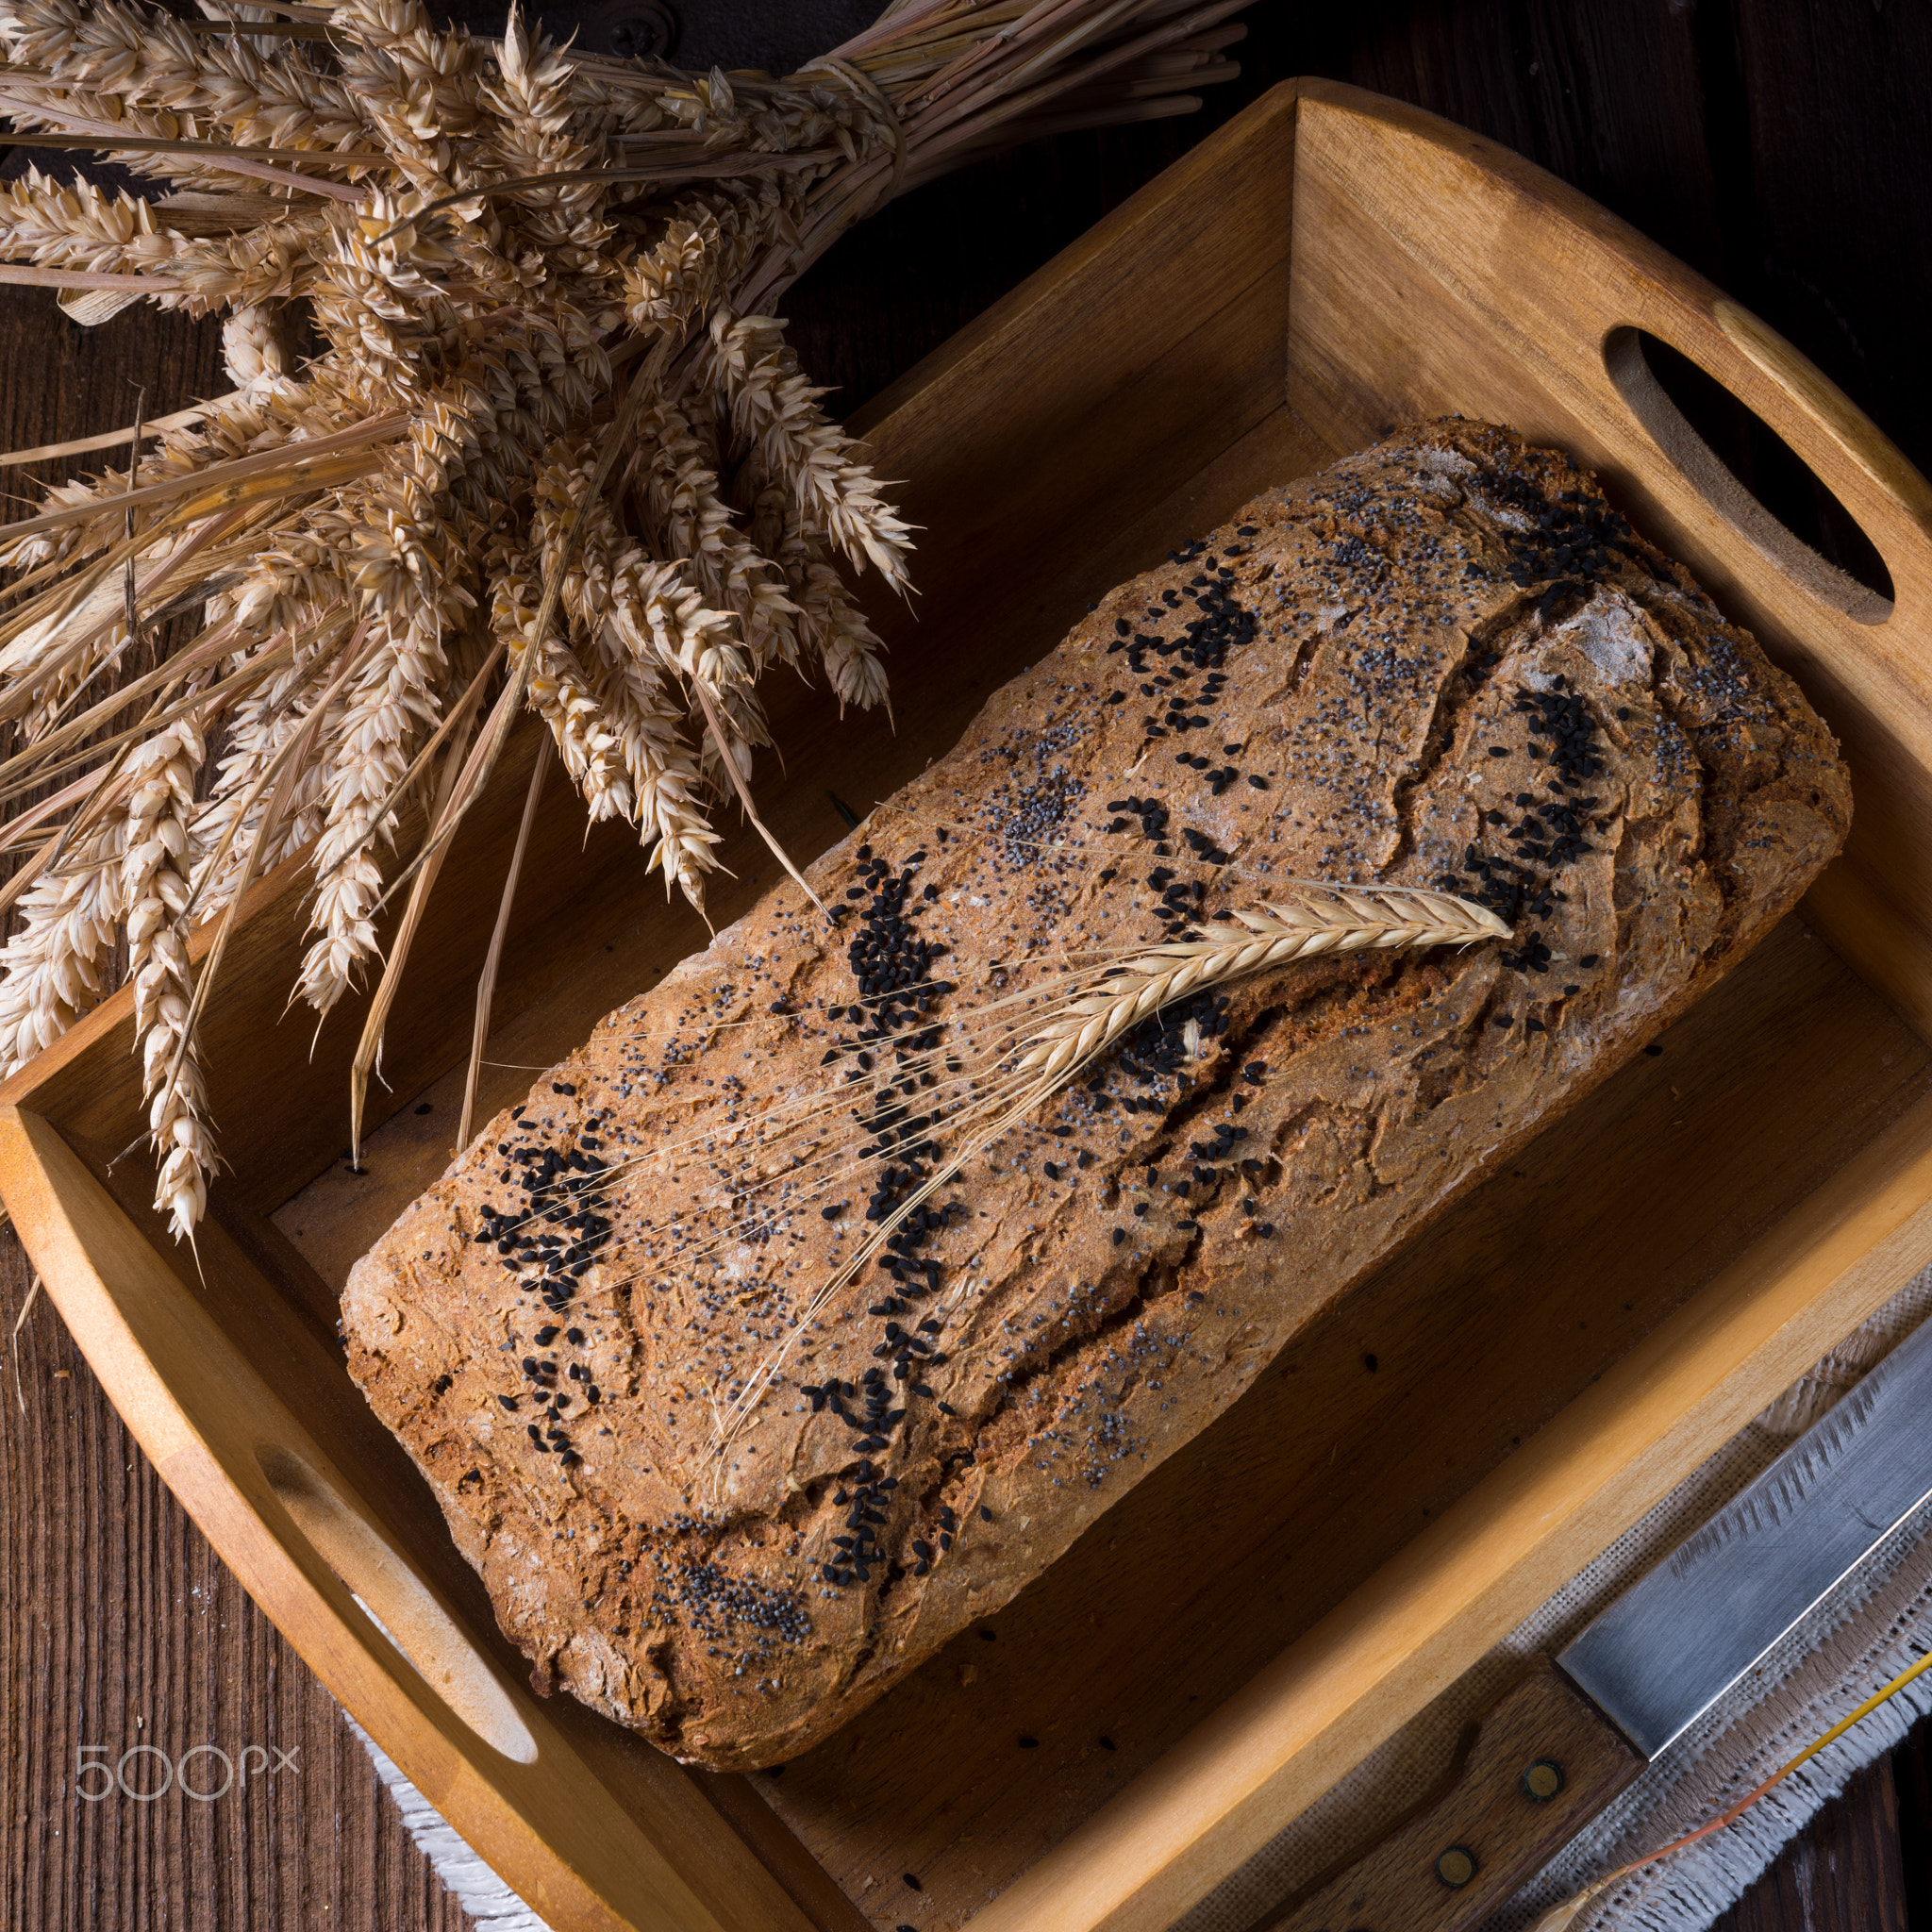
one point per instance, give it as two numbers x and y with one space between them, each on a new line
1876 1623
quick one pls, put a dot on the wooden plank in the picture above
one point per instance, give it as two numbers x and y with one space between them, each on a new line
1842 1875
1608 97
122 1627
1840 175
1911 1775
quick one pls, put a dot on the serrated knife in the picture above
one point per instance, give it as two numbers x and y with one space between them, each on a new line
1577 1729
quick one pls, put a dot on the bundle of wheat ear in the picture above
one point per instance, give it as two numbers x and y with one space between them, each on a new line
554 453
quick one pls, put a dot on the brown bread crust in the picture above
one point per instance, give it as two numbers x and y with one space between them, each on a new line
1444 662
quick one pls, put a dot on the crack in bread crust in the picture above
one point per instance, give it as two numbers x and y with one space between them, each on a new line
1445 662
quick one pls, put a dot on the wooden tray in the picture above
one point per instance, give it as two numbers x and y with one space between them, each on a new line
1417 1472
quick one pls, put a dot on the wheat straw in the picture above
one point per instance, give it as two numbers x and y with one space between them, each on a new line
482 234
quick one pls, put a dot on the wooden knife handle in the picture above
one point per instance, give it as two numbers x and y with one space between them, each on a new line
1543 1763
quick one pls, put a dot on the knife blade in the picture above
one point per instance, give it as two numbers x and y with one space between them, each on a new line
1579 1727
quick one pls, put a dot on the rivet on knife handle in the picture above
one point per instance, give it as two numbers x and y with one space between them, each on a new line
1544 1760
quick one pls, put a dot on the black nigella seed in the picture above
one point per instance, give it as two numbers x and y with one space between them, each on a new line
1653 1050
832 1210
1120 1234
1589 959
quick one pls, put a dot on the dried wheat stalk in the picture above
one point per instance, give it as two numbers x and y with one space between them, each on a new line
1079 1016
447 510
1317 919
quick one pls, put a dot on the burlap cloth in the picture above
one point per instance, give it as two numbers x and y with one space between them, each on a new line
1874 1625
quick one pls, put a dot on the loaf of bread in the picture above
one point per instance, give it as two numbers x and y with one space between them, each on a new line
744 1394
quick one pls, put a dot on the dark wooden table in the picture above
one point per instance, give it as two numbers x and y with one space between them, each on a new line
1784 147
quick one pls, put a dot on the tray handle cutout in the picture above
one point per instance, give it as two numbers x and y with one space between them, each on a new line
1760 371
393 1598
